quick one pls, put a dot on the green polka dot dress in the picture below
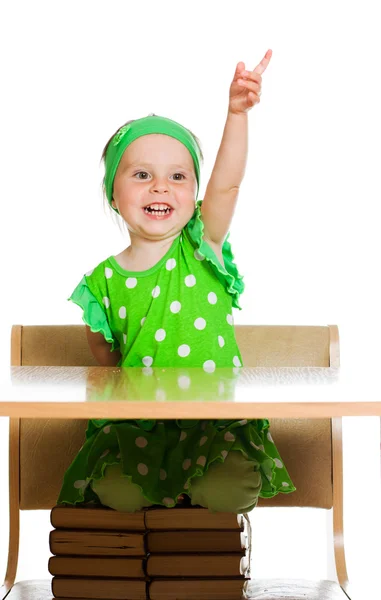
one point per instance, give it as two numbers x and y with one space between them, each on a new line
176 314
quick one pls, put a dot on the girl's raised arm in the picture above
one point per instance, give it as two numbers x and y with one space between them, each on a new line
222 191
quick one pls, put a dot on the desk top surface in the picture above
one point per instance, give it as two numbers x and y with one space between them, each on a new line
111 392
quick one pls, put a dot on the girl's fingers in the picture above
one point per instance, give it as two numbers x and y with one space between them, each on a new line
250 85
264 63
239 69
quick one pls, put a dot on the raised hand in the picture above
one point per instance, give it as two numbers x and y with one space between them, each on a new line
245 89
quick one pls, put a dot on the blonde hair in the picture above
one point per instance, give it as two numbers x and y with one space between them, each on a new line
106 205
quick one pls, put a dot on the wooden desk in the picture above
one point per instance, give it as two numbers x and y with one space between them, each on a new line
174 393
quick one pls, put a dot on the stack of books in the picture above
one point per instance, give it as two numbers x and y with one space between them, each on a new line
154 554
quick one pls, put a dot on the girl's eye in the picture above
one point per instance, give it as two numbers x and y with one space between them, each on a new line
145 173
140 173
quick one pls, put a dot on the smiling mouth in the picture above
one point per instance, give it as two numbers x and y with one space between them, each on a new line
158 209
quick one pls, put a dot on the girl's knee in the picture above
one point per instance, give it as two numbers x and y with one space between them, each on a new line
118 492
232 486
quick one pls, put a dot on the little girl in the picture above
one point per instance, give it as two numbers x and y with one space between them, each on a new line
166 301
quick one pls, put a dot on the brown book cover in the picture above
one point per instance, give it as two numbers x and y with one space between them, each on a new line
156 565
159 589
99 589
196 541
111 543
96 543
93 517
197 589
97 566
191 518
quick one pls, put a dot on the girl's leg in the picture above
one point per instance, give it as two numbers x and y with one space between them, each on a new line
231 486
118 492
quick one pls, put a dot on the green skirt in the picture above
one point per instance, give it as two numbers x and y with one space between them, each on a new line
162 457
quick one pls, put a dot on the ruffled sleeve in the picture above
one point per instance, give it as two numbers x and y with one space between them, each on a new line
93 314
227 273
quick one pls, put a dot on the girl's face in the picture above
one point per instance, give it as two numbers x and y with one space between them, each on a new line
155 187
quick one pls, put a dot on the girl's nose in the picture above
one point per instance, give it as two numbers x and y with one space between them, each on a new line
159 186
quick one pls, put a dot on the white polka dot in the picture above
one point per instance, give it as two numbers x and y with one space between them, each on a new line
203 440
124 338
269 477
261 447
147 361
175 307
243 422
163 474
224 454
201 461
108 272
106 301
143 321
186 485
80 483
122 312
156 291
160 335
160 395
269 437
190 280
221 341
200 323
170 264
147 370
131 282
212 298
186 464
236 361
278 463
198 255
104 453
209 366
229 437
106 429
255 446
284 484
183 436
141 442
229 319
184 382
143 469
183 350
168 501
89 273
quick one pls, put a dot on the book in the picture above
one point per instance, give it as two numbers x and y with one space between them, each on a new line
96 543
154 518
196 541
197 589
158 589
156 565
99 589
79 542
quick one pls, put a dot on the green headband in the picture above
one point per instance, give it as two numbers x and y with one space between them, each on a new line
130 132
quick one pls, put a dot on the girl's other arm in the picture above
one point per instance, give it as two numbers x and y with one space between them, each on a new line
222 191
100 349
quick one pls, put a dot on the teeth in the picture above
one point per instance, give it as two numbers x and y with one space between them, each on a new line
159 210
158 206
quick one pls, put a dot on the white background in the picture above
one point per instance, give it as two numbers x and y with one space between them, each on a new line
306 230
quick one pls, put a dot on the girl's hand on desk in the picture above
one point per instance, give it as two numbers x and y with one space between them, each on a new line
245 89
